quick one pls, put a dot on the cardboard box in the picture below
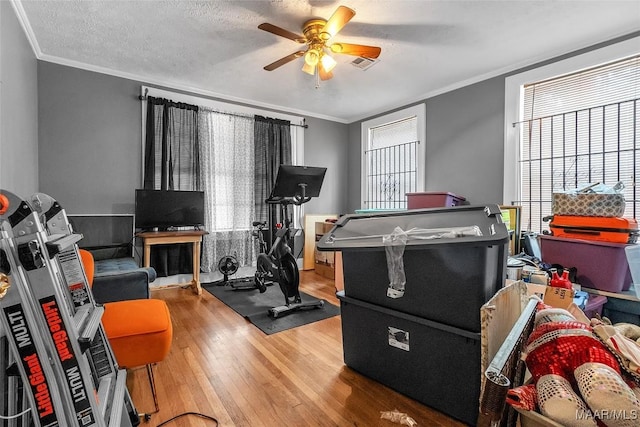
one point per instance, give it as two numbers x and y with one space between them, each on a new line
324 262
325 270
555 297
559 297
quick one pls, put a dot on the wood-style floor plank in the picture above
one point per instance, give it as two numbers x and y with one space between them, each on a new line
222 366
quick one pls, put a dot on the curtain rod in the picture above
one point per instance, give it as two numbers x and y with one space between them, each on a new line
304 125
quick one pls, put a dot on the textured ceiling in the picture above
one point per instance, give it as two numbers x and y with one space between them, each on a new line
215 48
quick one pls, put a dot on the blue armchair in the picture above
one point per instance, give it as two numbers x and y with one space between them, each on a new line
117 279
108 238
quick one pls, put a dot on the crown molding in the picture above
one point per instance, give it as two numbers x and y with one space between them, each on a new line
26 26
173 85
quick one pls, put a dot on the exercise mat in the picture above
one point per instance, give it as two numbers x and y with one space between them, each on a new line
254 306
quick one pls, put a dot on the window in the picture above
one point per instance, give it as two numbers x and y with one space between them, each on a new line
393 158
572 123
226 171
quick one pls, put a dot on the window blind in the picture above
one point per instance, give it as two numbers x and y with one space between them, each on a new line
399 132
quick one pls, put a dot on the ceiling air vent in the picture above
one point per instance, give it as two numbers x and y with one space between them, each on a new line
363 63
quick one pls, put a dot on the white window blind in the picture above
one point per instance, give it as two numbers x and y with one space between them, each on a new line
577 129
395 133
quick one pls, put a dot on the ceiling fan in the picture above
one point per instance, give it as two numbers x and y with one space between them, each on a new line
317 32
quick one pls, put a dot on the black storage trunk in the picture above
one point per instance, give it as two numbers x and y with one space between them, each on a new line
435 364
447 279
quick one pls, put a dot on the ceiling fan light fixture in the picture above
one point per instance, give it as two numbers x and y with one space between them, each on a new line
309 69
328 63
311 57
336 48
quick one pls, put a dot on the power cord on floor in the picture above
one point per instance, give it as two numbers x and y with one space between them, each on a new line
13 417
197 414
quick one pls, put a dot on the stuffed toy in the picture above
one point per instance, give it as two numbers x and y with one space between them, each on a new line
576 379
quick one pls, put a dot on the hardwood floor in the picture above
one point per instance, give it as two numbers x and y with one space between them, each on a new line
222 366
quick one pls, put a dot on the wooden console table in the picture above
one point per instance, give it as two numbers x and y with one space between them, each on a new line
150 238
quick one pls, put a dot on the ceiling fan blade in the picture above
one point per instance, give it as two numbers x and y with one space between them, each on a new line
356 49
324 75
339 19
270 28
280 62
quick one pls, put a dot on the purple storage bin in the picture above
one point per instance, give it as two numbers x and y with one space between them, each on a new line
433 200
601 265
594 305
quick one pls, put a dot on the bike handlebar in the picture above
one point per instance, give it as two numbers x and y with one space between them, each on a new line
297 200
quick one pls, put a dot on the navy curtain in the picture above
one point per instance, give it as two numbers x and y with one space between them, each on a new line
171 162
272 149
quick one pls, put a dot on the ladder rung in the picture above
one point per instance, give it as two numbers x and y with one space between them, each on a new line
81 315
60 242
90 328
104 392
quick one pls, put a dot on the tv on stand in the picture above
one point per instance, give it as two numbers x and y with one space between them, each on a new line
164 210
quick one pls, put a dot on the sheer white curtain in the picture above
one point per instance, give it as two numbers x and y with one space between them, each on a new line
227 178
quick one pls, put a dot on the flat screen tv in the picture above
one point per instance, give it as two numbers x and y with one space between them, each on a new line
168 209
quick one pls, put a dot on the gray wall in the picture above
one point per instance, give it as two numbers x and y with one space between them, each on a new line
326 145
465 134
90 143
465 131
18 108
90 139
464 144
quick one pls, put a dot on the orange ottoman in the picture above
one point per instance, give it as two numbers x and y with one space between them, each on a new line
139 331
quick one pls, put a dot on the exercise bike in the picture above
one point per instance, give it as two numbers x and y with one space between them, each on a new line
279 265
